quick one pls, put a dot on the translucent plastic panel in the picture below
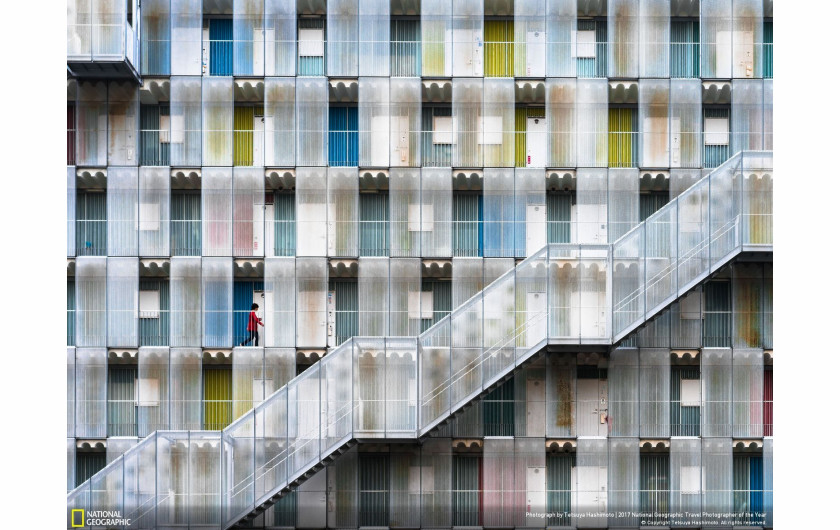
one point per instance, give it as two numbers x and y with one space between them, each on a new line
216 206
343 38
401 387
654 393
717 392
106 487
79 18
92 124
768 114
404 294
436 27
435 221
122 124
623 204
123 285
204 479
593 296
467 38
311 277
248 212
304 424
499 465
118 446
591 108
747 114
686 124
122 211
405 499
716 39
152 390
564 293
217 301
91 392
685 479
279 368
747 38
624 480
530 38
717 477
217 121
405 212
153 219
591 477
280 37
623 36
248 379
374 41
757 199
693 225
155 36
653 114
681 180
369 387
185 287
279 307
373 306
90 302
405 122
71 400
437 483
248 38
271 444
748 287
467 112
172 479
590 210
312 108
71 461
499 215
238 460
185 121
624 392
467 279
374 121
767 461
498 320
497 123
280 122
311 214
186 37
661 256
747 393
343 208
434 372
560 112
337 396
654 38
530 213
724 190
71 211
561 21
107 30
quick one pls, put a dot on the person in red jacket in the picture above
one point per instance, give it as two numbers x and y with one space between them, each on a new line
253 321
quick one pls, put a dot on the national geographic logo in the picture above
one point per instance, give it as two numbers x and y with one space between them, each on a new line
80 519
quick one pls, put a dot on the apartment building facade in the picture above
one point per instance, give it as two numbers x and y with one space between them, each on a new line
513 259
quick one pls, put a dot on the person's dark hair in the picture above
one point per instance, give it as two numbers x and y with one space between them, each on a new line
255 306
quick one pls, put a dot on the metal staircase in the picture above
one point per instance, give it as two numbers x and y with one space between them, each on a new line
564 294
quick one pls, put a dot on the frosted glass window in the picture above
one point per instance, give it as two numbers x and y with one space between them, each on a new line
149 304
716 131
442 130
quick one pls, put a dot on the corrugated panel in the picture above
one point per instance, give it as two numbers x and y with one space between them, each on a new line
499 410
768 50
717 319
346 309
768 401
154 38
186 224
71 135
91 224
373 490
373 224
155 331
221 46
243 136
498 48
243 297
594 67
466 490
218 398
284 224
441 300
715 155
559 216
623 142
153 152
654 486
71 313
650 203
521 115
559 488
122 407
685 48
685 421
343 136
405 48
435 155
467 225
87 465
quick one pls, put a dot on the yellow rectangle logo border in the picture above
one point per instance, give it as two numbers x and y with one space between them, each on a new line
73 518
